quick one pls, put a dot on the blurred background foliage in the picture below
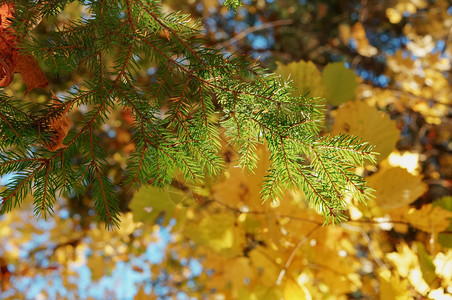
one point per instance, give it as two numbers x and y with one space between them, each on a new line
384 68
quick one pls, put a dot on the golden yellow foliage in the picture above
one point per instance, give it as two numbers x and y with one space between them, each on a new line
395 187
306 78
366 122
219 241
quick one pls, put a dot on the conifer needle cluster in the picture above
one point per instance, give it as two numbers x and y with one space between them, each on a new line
201 89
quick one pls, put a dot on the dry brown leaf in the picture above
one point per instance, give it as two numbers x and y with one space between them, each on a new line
60 126
11 61
7 52
31 72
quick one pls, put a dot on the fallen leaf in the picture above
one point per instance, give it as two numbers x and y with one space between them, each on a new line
407 265
141 295
344 33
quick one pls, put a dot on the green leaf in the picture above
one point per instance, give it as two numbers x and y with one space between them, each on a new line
340 83
427 267
444 202
445 239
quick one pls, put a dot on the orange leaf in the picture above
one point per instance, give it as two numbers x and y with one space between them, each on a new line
8 54
127 115
31 73
11 61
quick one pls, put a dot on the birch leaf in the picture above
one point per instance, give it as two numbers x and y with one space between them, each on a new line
360 119
340 83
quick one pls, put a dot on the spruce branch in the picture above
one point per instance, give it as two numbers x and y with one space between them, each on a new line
176 118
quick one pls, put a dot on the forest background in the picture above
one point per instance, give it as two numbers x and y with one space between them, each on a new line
384 68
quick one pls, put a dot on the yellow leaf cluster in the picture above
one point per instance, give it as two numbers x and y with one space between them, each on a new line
307 80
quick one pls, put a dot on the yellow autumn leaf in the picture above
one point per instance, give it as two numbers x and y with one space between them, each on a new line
396 187
443 265
407 265
265 263
439 294
428 218
400 63
293 291
404 259
218 232
141 295
363 46
150 203
392 287
344 33
360 119
97 266
306 78
64 254
245 294
340 284
407 160
260 293
239 271
239 188
393 15
128 226
340 83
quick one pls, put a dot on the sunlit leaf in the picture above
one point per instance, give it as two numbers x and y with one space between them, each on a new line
392 287
428 218
407 265
366 122
293 291
395 187
266 266
150 203
217 231
306 78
